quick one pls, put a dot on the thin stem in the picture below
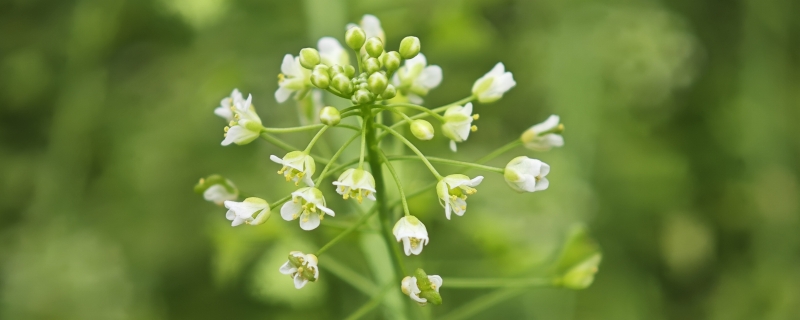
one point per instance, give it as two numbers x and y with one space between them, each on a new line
499 151
337 93
292 129
285 146
483 283
350 276
398 112
425 114
451 162
397 181
314 140
371 304
420 108
279 202
334 158
482 303
363 146
347 231
413 148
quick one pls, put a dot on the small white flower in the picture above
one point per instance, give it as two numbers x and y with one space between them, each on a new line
410 288
356 184
219 193
297 165
301 267
331 52
246 125
304 205
294 78
242 212
544 136
493 85
453 191
524 174
412 233
372 27
416 78
225 109
458 124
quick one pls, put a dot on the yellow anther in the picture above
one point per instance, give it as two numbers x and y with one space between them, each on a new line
232 123
463 207
321 217
202 180
359 198
474 128
281 77
236 116
346 195
226 129
300 174
300 269
476 116
288 178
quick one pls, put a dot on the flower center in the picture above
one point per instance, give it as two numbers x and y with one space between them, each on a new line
292 174
415 242
355 193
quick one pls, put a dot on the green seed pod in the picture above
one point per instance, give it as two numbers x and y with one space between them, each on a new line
309 57
374 47
349 71
422 129
342 83
377 82
355 37
372 65
409 47
389 92
392 61
330 116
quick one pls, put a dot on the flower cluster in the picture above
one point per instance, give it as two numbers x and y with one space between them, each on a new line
395 81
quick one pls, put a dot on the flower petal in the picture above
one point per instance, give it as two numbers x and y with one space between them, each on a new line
282 94
542 184
287 65
299 281
290 209
430 77
309 222
287 268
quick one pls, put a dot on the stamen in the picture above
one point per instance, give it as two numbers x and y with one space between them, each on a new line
476 116
226 129
473 128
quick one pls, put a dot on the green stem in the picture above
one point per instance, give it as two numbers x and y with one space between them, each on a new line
397 181
292 129
419 108
425 114
452 162
499 151
314 140
483 283
413 148
279 202
337 93
347 231
398 112
285 146
334 158
350 276
363 146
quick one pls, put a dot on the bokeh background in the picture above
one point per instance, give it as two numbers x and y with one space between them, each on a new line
681 157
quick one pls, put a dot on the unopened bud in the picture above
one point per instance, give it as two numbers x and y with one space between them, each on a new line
336 69
330 116
309 57
374 47
377 82
320 79
342 83
389 92
372 65
581 276
409 47
422 129
355 37
392 61
349 71
363 96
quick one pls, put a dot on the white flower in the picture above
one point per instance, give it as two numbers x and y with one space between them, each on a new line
242 212
356 184
409 287
458 124
526 174
294 78
416 78
453 191
304 205
493 85
331 52
219 193
296 165
544 136
246 125
301 267
413 234
372 27
225 109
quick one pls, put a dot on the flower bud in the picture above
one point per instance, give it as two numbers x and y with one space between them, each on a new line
321 68
389 92
374 47
355 37
320 79
330 116
372 65
582 275
377 82
363 96
409 47
342 83
336 69
349 71
309 57
392 61
422 129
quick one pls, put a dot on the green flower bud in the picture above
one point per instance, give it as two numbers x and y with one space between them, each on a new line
336 69
349 71
432 296
363 96
342 83
409 47
582 275
374 47
321 68
389 92
309 57
392 61
377 82
422 129
355 37
320 79
372 65
330 116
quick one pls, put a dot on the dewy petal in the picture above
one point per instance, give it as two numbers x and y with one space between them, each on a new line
287 268
309 222
299 281
290 209
547 125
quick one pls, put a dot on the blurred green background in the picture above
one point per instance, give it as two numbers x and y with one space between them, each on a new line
681 156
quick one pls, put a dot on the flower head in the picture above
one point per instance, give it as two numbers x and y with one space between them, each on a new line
331 52
544 136
225 106
453 191
524 174
422 288
416 78
458 124
296 165
356 184
304 205
412 233
293 78
494 84
301 267
242 212
245 125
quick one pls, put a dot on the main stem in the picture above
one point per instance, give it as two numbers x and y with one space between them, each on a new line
380 194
